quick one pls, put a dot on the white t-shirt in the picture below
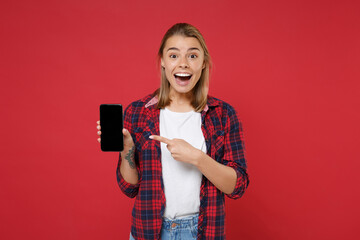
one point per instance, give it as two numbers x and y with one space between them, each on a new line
182 181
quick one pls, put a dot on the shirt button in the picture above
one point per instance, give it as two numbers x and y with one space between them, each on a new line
173 225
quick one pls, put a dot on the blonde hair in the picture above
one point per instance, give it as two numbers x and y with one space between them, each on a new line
200 90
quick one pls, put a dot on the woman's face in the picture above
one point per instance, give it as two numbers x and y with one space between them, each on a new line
183 62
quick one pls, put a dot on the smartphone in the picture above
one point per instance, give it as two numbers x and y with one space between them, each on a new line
111 123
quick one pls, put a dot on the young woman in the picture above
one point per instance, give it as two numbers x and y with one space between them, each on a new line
183 149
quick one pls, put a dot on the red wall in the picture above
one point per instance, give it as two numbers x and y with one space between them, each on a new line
290 68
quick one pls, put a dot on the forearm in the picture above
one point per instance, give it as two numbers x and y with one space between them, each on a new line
128 168
223 177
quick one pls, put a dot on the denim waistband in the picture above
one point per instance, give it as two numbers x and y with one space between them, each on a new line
185 222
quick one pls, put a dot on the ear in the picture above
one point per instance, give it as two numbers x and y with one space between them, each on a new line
162 63
204 65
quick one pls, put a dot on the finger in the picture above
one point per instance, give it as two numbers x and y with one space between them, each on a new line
160 139
99 133
99 139
170 149
98 122
126 132
98 127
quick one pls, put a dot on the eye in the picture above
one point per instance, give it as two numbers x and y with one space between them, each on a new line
193 56
172 56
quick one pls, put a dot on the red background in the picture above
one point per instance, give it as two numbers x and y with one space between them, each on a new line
290 68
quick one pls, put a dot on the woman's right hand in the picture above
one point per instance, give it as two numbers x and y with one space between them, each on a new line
128 141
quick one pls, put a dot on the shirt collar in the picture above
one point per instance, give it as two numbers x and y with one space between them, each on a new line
152 101
211 102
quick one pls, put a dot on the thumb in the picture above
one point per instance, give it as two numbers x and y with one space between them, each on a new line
125 132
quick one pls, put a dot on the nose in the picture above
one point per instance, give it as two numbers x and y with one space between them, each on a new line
184 62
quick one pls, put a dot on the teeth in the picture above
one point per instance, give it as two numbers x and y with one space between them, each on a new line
182 74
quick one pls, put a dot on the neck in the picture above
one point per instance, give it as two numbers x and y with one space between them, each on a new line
181 98
180 102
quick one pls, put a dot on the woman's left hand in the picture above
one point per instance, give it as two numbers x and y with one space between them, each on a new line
180 149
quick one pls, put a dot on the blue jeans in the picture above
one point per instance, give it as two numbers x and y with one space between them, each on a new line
179 229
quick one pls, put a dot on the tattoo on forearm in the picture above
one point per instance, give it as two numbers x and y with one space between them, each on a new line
130 157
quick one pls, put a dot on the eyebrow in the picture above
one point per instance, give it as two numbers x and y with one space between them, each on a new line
190 49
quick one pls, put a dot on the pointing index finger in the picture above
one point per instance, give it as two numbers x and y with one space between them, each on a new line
160 139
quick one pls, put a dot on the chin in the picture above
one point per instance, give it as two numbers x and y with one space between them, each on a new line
181 91
184 89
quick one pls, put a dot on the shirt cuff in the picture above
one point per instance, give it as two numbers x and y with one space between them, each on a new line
128 189
242 182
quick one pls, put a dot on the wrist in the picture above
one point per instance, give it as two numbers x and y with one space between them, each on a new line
199 159
127 148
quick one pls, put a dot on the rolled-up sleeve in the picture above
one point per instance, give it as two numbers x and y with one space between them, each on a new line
128 189
234 153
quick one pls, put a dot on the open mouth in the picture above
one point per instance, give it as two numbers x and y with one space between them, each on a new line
182 76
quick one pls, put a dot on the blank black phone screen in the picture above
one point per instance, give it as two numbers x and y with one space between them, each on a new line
111 123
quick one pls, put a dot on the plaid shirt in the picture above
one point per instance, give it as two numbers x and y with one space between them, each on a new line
224 141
